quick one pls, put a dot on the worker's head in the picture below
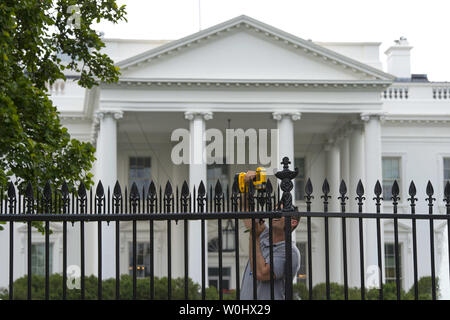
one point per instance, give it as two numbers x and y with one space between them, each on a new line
278 225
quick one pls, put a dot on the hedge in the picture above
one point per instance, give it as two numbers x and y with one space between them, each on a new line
143 290
109 289
389 291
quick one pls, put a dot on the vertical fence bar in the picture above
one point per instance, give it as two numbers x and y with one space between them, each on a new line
325 197
47 202
134 204
116 205
378 192
413 199
153 203
360 198
268 203
447 205
100 205
168 198
430 199
30 208
395 198
185 204
235 197
202 202
65 205
81 202
11 201
308 197
288 253
218 199
343 197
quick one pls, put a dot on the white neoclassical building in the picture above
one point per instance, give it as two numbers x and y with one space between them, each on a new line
339 115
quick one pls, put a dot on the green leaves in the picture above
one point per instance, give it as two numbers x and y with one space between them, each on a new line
34 37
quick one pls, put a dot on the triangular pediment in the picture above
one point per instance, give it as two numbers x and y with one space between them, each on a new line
246 49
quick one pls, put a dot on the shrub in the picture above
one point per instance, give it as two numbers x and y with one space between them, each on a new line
109 289
301 292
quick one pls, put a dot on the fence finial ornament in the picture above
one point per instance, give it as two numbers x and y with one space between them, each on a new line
286 176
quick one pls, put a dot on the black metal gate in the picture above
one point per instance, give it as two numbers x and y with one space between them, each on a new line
81 205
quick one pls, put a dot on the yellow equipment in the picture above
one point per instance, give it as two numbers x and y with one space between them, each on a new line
259 181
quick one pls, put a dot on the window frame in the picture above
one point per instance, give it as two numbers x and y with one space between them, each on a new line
138 182
33 258
401 174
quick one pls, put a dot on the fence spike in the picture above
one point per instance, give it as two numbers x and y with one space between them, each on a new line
360 189
430 189
47 191
447 193
168 190
430 193
412 189
378 190
117 191
218 188
343 188
201 189
65 189
29 191
152 189
82 190
99 192
308 189
11 191
325 189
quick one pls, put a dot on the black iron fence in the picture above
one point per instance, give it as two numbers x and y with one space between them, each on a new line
80 205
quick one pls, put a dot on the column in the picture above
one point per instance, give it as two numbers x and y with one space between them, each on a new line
285 125
106 170
335 231
344 154
356 155
197 173
372 142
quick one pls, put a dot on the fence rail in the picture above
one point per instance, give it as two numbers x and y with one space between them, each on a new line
81 205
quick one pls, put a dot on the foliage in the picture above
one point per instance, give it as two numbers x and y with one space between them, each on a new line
109 289
389 291
39 42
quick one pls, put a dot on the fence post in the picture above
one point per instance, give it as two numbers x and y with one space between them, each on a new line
286 176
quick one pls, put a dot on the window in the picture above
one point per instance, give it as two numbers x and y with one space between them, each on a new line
142 259
213 277
217 171
391 172
301 273
140 172
446 171
389 257
38 258
300 179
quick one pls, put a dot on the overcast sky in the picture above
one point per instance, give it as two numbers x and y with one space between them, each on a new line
426 24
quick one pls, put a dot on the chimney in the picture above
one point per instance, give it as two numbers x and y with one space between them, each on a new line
399 58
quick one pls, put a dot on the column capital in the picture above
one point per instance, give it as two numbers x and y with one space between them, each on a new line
116 114
366 116
294 115
190 115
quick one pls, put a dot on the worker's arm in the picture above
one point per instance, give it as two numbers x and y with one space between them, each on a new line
262 268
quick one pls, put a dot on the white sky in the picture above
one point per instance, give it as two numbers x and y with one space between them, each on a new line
424 23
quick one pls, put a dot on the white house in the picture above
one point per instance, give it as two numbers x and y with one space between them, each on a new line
339 115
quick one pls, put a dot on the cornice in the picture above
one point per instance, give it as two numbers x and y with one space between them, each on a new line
275 83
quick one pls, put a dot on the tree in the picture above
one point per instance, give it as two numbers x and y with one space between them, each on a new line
34 35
